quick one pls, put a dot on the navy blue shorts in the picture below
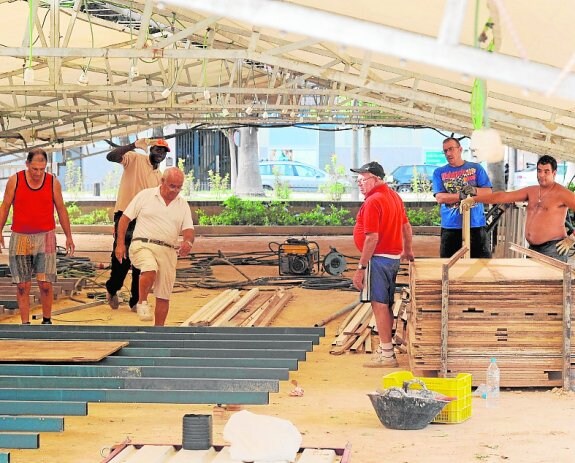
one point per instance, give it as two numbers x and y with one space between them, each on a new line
380 280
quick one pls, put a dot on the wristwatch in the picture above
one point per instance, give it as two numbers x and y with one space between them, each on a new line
361 267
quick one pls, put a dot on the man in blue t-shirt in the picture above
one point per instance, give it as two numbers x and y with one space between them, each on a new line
452 183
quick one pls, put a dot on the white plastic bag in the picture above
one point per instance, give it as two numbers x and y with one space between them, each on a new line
261 438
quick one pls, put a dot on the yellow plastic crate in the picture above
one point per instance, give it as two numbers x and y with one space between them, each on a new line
456 411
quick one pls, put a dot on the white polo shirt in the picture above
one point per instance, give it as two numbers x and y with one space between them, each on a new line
156 220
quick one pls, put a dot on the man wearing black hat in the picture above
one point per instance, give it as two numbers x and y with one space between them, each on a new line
140 172
382 234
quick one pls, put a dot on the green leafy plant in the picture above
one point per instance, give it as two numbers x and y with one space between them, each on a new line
419 182
96 217
237 211
336 187
281 186
424 217
218 185
190 182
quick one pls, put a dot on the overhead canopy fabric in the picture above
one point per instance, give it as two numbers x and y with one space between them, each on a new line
103 69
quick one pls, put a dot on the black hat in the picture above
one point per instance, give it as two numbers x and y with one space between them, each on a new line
371 167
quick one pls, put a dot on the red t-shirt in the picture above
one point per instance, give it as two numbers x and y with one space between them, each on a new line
33 209
383 213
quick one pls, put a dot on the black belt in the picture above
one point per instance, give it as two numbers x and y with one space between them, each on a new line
158 242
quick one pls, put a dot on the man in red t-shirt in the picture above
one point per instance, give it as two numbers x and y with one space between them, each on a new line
383 235
34 194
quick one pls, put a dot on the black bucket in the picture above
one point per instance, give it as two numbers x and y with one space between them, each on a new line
197 432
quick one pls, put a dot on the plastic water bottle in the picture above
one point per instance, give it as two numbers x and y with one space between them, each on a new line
493 377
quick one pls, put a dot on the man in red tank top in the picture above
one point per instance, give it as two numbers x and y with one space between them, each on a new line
33 194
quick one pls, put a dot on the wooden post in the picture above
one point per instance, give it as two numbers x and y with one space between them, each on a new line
466 231
445 306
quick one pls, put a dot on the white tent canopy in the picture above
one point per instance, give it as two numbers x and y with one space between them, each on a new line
106 69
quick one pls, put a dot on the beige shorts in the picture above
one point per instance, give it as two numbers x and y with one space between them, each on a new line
150 257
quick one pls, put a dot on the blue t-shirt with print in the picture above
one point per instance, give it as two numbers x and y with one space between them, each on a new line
449 179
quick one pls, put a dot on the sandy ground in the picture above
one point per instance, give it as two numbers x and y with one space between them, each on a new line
528 426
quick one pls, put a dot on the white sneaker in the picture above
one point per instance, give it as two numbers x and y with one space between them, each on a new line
383 358
144 312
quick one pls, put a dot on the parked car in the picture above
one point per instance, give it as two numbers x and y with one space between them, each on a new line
299 176
401 179
527 177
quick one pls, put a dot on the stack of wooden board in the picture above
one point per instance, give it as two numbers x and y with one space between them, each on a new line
510 309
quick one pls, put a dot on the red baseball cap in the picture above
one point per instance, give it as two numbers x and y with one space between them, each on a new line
161 142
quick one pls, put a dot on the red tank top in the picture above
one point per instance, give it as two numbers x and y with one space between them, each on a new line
33 209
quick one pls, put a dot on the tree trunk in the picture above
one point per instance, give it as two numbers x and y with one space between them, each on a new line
249 182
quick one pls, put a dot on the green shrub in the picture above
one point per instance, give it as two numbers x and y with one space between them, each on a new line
424 217
237 211
281 186
335 187
96 217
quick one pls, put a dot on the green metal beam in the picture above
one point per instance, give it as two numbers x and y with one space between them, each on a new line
144 341
101 371
20 441
32 423
133 396
318 331
136 383
290 364
57 333
53 407
210 353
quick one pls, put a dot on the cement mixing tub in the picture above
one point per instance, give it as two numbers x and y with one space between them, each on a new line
404 408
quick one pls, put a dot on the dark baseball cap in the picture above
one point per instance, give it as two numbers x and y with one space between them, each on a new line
372 167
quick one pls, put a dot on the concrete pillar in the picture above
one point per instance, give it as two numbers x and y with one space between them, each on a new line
366 153
355 163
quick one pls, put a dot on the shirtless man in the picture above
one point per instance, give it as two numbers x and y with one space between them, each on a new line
547 206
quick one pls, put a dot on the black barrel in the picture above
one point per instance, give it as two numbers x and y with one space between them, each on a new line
197 432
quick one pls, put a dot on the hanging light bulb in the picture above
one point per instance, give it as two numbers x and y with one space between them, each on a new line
249 110
60 121
166 92
292 114
207 94
265 115
134 72
83 78
225 112
29 75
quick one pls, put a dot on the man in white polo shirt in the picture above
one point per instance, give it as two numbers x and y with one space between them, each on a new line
162 216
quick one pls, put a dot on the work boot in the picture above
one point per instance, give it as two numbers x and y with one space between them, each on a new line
46 321
144 311
383 358
112 301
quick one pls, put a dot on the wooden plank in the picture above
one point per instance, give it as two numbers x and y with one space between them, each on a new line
56 351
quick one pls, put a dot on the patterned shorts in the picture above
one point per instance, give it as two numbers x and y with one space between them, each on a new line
33 254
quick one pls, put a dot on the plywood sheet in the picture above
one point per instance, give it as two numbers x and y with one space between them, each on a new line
57 351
